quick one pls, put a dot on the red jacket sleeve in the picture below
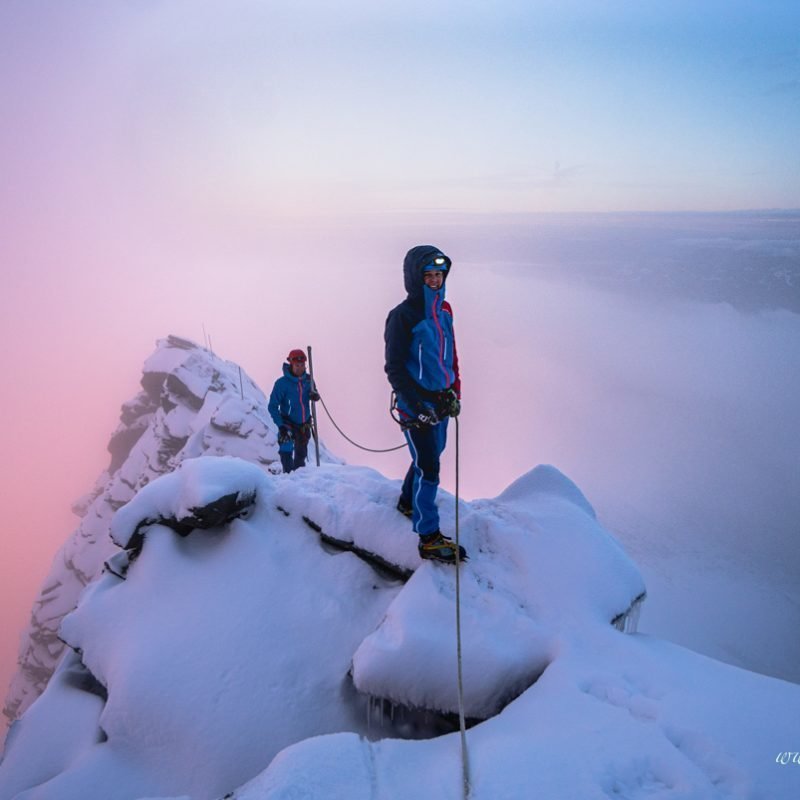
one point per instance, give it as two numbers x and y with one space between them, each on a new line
457 382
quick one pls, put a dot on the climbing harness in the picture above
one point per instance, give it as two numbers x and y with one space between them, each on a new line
461 719
394 413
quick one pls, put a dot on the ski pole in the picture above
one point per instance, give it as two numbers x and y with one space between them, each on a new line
313 406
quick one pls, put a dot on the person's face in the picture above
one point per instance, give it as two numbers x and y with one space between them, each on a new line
298 366
433 278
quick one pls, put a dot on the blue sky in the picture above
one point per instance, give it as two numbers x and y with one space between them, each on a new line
254 108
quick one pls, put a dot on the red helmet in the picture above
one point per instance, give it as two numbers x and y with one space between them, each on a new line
296 355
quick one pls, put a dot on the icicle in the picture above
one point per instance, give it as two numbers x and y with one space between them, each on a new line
632 617
629 621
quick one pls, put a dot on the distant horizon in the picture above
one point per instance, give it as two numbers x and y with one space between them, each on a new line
630 212
421 216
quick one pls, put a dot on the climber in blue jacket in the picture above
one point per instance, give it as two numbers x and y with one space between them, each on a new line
422 367
290 409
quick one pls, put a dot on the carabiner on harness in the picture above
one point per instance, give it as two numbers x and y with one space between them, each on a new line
394 412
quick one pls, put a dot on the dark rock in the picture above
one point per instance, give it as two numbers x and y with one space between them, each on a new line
78 676
378 563
176 387
180 343
153 383
220 512
122 442
118 564
141 405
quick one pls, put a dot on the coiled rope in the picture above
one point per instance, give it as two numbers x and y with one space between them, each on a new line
461 719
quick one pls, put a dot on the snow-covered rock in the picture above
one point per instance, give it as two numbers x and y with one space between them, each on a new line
201 493
613 716
276 637
193 403
223 646
540 563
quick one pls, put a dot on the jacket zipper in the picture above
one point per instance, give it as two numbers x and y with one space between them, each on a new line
300 395
442 343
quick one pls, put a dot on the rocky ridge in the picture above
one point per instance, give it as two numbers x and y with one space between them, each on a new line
192 403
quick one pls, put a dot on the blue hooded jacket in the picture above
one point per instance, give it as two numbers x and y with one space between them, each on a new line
289 403
421 358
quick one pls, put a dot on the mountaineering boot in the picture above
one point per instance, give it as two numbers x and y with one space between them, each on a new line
436 547
404 508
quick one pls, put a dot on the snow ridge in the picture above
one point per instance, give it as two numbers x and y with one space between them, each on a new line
230 652
192 403
210 637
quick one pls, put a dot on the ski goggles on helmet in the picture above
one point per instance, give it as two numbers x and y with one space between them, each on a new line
440 263
297 356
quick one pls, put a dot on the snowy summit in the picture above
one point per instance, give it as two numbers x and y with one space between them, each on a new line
252 635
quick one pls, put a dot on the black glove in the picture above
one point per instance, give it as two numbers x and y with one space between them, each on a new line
285 434
313 395
448 404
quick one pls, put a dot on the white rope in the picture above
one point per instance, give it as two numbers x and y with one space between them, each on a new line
461 720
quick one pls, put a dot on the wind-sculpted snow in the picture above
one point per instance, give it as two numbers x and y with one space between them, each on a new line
193 403
217 650
539 561
235 648
540 566
181 496
224 646
613 716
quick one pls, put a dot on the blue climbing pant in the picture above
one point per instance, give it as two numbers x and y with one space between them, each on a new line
293 453
422 479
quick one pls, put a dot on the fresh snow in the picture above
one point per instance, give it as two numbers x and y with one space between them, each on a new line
193 403
227 658
196 483
613 716
218 650
259 660
537 568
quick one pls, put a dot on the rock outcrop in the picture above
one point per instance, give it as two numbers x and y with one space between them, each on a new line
230 625
192 403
